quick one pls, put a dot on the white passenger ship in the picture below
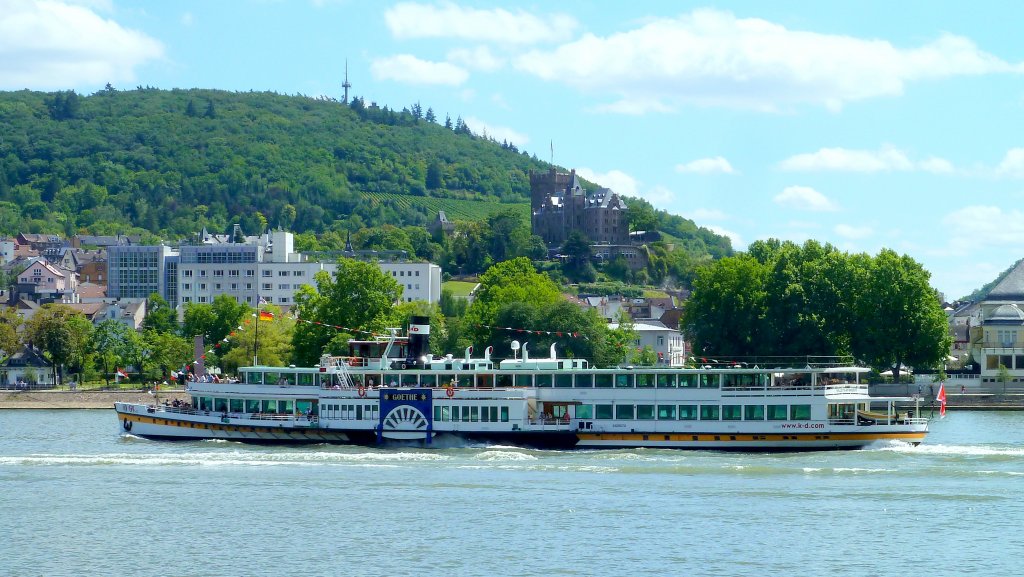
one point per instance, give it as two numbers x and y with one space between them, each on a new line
389 392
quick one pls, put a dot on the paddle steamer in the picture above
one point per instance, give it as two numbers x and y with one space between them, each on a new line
392 391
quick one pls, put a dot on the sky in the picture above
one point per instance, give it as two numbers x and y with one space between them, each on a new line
867 125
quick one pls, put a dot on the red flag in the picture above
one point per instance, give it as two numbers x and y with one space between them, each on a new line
941 398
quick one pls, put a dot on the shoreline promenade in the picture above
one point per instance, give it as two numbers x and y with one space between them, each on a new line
82 399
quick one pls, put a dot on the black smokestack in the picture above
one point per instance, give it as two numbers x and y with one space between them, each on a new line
419 340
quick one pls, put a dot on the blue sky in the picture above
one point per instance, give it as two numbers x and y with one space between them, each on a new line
865 124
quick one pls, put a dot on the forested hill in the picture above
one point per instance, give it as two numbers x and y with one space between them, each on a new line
168 162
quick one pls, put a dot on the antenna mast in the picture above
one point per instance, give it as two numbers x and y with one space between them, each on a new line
346 84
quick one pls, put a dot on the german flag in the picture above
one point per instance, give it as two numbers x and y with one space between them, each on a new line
266 316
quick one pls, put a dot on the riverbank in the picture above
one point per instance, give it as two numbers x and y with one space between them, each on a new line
81 399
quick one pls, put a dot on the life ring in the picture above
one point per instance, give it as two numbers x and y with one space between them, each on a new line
450 391
361 391
127 425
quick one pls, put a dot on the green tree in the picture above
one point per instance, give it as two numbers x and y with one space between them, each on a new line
723 314
112 345
641 215
358 296
62 333
274 342
10 326
901 321
160 316
1003 376
167 352
578 253
512 281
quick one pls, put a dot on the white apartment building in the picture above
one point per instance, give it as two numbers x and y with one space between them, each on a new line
668 343
269 269
420 281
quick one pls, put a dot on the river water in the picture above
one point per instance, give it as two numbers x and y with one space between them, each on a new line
79 498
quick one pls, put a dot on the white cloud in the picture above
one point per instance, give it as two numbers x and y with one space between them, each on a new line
711 57
498 133
805 198
885 159
936 165
660 197
618 181
479 58
701 214
52 45
634 107
1012 164
707 166
734 237
980 226
853 232
411 70
497 25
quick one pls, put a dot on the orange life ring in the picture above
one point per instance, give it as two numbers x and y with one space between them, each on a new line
450 391
361 391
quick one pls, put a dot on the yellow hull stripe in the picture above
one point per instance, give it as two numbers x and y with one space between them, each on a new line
216 426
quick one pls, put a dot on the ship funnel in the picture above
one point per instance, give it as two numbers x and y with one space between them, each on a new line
419 340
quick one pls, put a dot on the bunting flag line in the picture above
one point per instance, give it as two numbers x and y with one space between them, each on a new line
570 334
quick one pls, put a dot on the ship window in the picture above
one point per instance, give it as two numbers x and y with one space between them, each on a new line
437 413
494 414
455 414
205 403
463 380
524 380
485 415
603 381
235 405
753 412
776 412
584 411
584 381
220 405
688 380
474 414
709 412
359 412
428 380
666 412
645 380
269 406
409 380
542 380
602 411
563 381
446 413
645 412
687 412
305 379
252 406
732 412
254 378
624 412
800 412
504 414
624 380
465 414
707 381
666 381
286 407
